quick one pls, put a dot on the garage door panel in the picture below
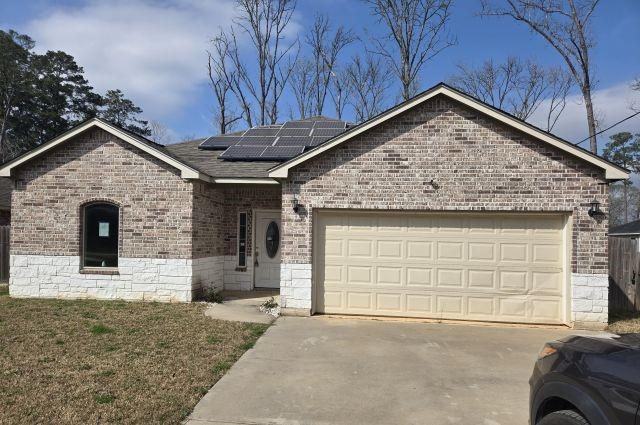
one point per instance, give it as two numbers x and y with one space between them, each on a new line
457 266
450 251
448 278
419 276
360 248
419 250
390 249
360 301
389 275
359 275
482 251
449 304
481 307
482 279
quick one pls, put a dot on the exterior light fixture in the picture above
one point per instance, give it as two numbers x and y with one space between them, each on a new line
594 210
295 204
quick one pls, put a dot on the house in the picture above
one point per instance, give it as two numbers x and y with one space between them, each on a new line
627 230
6 186
440 207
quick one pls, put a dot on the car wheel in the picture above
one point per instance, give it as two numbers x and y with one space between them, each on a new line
563 417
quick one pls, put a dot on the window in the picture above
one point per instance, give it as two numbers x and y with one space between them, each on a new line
100 235
273 239
242 239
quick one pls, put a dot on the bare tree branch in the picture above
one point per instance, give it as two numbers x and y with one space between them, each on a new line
325 50
301 83
565 25
265 22
221 77
516 86
369 80
417 29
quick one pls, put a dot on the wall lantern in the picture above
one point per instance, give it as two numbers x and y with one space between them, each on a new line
594 210
295 204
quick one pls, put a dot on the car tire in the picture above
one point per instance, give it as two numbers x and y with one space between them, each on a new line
563 417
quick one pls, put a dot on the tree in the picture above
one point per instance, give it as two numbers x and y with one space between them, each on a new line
340 91
624 149
221 79
418 32
15 78
264 22
302 82
324 52
565 25
158 132
369 80
516 86
124 113
623 199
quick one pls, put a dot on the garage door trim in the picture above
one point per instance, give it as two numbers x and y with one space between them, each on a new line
564 234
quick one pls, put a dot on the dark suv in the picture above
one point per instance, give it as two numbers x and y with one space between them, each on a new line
586 380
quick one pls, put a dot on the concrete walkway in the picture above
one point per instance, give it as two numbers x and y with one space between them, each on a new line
243 306
323 370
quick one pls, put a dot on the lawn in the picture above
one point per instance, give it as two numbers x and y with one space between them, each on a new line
624 322
111 361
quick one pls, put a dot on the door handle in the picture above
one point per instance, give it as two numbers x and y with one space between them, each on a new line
255 262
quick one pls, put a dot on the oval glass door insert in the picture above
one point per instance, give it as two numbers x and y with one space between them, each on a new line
273 239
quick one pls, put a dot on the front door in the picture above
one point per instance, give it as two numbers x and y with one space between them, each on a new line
266 256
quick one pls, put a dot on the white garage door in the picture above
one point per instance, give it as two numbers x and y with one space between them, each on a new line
507 268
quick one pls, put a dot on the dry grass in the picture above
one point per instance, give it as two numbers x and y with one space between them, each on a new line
109 361
624 323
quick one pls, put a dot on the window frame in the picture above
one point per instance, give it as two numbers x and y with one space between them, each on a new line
98 269
239 238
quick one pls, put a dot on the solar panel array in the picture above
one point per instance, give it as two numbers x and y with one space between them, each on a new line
275 142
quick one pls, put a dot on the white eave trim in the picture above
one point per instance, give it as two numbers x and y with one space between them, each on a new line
186 172
245 181
611 172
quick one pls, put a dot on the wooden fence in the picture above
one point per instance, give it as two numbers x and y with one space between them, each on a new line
4 253
624 274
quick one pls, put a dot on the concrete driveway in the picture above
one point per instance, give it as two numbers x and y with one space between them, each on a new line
347 371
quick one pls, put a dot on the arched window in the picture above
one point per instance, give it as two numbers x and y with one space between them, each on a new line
100 235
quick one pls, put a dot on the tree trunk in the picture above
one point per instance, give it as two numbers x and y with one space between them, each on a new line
625 191
591 120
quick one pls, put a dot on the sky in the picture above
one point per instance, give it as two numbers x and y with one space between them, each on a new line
155 51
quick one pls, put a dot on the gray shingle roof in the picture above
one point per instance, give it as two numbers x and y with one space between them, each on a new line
628 229
207 162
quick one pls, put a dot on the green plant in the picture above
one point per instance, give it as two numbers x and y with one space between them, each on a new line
100 329
104 398
212 296
221 366
269 304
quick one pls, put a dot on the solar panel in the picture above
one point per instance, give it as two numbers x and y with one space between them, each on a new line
281 152
317 141
219 142
242 152
256 141
298 124
326 132
294 132
329 124
293 141
261 132
276 142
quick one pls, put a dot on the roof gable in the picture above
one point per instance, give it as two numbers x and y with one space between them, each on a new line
186 171
612 171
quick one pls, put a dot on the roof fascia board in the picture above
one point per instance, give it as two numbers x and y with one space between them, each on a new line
611 172
186 172
244 181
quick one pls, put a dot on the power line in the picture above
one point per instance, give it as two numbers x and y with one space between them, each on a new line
608 128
